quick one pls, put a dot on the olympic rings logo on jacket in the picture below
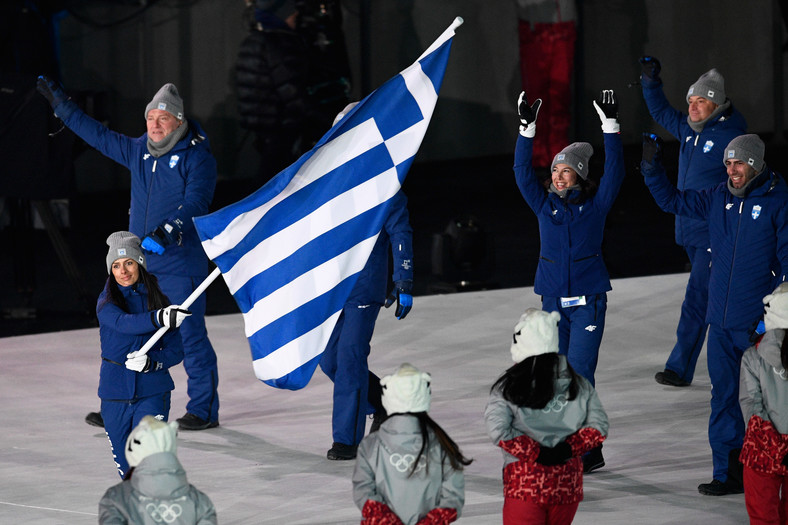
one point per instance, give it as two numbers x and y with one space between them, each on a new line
404 462
163 513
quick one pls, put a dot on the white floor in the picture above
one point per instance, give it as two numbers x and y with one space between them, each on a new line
266 463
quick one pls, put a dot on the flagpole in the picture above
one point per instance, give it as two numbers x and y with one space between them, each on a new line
457 22
185 305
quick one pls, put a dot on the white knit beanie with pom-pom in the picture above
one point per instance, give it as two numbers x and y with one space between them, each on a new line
536 333
406 390
150 437
776 309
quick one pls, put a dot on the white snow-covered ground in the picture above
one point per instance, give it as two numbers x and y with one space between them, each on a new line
266 463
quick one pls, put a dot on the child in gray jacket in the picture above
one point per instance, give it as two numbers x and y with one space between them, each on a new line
156 489
544 417
409 471
763 396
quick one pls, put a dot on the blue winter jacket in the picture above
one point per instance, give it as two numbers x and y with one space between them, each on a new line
124 332
370 288
178 185
570 257
700 154
749 240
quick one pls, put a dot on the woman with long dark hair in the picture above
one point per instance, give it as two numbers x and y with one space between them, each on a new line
544 417
763 395
409 469
130 309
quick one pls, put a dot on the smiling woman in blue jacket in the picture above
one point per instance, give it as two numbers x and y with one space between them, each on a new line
130 309
571 276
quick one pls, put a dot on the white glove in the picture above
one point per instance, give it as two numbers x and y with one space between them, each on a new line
607 109
172 316
137 363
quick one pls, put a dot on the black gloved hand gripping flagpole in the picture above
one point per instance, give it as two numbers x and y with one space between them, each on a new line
185 305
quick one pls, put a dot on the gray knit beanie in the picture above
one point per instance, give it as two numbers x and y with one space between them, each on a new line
748 148
576 155
124 245
711 86
167 99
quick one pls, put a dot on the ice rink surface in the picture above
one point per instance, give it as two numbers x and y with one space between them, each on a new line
266 463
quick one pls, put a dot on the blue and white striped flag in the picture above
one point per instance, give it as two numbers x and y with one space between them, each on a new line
290 252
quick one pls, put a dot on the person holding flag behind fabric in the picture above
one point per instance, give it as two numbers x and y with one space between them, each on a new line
173 176
357 390
571 276
130 310
305 256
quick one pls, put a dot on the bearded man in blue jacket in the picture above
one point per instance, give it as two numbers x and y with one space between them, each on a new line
747 218
710 124
173 177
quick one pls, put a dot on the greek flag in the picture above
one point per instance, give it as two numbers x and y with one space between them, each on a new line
290 252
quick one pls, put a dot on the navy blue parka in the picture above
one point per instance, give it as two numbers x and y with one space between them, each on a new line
700 154
749 240
570 258
177 186
122 332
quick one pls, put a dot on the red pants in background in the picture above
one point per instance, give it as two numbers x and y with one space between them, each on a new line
519 512
766 497
547 54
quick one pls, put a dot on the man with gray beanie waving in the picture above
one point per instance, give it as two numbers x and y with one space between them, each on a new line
173 177
747 219
711 123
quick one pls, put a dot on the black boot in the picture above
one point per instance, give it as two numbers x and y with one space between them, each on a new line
341 452
94 419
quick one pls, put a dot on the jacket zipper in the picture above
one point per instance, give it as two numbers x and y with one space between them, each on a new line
733 258
150 188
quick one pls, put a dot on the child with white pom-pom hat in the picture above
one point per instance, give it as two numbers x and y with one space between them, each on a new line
544 416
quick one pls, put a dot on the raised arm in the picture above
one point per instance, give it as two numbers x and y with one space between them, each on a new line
530 187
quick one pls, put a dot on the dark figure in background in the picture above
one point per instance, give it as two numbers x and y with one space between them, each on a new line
319 22
710 124
271 78
292 77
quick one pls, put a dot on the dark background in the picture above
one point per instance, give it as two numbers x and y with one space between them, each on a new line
113 55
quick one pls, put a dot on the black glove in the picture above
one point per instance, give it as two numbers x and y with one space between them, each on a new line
401 294
650 67
528 115
785 460
51 91
556 455
171 316
652 148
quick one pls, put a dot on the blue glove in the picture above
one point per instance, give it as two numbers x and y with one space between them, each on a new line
650 68
51 91
168 233
149 244
652 149
401 294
